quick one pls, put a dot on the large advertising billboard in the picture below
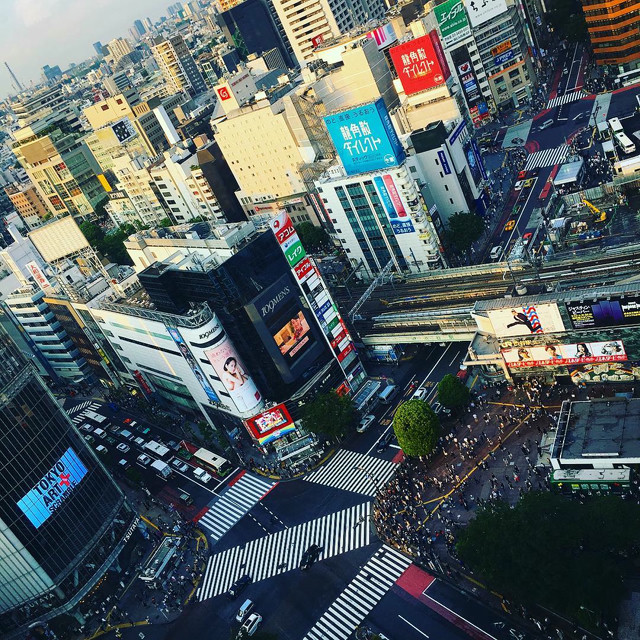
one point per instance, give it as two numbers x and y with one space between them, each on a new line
384 36
53 488
417 65
235 379
561 354
364 138
396 213
270 425
193 364
452 21
468 80
604 313
526 320
287 238
481 11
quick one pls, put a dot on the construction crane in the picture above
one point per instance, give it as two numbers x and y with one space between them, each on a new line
602 215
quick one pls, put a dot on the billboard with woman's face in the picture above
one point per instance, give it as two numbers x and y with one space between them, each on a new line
561 354
234 376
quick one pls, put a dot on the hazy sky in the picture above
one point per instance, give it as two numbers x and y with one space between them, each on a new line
38 32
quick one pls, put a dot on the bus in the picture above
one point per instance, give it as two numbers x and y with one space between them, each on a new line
212 462
628 78
99 419
590 481
616 126
624 142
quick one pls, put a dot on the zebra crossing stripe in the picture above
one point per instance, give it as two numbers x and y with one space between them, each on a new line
574 96
364 592
87 404
234 503
92 406
547 157
271 555
355 472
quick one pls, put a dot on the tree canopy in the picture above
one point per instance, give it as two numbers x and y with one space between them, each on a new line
464 230
554 551
417 428
313 238
329 414
452 392
111 244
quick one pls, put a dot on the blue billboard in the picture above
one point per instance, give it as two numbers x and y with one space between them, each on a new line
53 488
364 138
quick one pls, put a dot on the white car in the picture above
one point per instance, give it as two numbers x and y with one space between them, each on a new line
101 449
176 463
421 394
365 423
87 428
144 459
202 475
123 447
250 625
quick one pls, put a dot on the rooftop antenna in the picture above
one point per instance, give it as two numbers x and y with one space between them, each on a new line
16 82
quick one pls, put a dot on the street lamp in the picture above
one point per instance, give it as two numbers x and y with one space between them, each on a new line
368 474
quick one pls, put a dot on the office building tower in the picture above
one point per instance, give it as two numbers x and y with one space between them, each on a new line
178 66
613 31
311 23
28 203
139 27
63 520
97 46
117 49
51 74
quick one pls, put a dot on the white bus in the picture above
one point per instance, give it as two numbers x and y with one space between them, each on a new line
212 461
616 126
624 142
628 78
97 418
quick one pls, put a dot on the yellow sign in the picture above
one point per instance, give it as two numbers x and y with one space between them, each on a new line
501 48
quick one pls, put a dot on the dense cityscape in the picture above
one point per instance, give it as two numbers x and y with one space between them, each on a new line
320 320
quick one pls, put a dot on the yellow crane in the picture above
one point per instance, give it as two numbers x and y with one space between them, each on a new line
602 215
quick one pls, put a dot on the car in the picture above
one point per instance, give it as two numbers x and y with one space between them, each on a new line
140 442
101 449
176 463
114 428
522 175
529 183
385 441
527 236
365 423
518 185
86 427
144 459
185 498
202 475
250 625
124 464
89 438
310 556
172 444
143 430
420 394
510 224
239 586
123 447
130 421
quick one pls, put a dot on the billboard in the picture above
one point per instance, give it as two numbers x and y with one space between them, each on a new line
442 60
452 21
604 313
396 213
383 36
468 80
560 354
526 320
481 11
293 336
233 375
416 63
270 425
503 58
287 238
364 138
53 488
193 364
501 48
41 280
605 372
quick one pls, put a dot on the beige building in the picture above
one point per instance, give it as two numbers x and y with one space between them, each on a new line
28 203
178 66
106 143
117 49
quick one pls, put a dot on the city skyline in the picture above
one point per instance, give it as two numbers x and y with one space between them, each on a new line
47 24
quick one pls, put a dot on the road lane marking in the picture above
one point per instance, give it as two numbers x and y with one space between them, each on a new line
413 626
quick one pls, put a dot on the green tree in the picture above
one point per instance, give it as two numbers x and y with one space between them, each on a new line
452 393
165 222
417 428
313 238
464 230
93 233
570 557
329 414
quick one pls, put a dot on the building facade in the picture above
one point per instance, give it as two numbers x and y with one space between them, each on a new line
178 66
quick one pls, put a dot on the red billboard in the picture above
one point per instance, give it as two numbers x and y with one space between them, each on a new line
417 65
270 425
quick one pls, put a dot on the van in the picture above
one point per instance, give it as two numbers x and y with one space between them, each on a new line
245 609
545 125
387 394
100 433
496 252
127 435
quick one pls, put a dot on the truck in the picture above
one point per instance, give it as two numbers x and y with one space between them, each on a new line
156 448
161 468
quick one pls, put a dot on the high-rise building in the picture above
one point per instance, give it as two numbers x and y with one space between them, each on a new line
117 49
613 30
28 203
63 520
98 47
178 66
139 27
310 23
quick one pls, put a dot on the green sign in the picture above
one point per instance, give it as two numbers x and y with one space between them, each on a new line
453 21
294 252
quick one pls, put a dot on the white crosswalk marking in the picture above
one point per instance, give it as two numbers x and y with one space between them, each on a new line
574 96
233 504
83 408
547 157
355 472
353 605
271 555
83 405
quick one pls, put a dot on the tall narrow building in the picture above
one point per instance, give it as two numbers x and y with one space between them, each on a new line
178 66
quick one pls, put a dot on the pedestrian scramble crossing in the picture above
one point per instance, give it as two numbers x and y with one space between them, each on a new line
355 472
337 533
547 157
365 591
574 96
83 407
234 503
